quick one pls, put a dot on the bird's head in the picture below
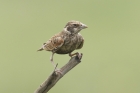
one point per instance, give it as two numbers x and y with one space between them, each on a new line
74 27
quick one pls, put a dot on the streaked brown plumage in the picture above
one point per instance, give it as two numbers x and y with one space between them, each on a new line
66 41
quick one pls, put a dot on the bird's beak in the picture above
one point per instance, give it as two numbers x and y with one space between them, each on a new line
84 26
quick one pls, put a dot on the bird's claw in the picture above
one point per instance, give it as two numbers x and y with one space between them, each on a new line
58 71
79 55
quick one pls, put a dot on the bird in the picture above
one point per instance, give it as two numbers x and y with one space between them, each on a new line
66 41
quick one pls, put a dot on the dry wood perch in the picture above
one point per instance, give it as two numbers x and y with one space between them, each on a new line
56 75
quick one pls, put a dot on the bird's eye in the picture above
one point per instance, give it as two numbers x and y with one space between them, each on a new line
75 25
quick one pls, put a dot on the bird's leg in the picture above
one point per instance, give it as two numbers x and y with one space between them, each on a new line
51 59
55 65
73 54
77 54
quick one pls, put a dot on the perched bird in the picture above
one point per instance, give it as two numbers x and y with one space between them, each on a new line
65 42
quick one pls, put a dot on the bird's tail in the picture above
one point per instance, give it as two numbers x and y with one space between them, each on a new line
40 49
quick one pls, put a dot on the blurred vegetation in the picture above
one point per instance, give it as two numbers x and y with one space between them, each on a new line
111 61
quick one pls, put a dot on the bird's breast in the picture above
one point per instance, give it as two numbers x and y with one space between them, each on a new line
70 44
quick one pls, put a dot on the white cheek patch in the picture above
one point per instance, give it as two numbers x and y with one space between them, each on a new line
75 29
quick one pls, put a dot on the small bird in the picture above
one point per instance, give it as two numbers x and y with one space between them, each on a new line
65 42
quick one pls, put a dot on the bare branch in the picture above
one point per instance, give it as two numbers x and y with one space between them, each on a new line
58 74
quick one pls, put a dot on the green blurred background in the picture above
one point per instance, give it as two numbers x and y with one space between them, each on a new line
111 61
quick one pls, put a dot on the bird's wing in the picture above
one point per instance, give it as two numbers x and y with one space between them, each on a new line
53 44
80 41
